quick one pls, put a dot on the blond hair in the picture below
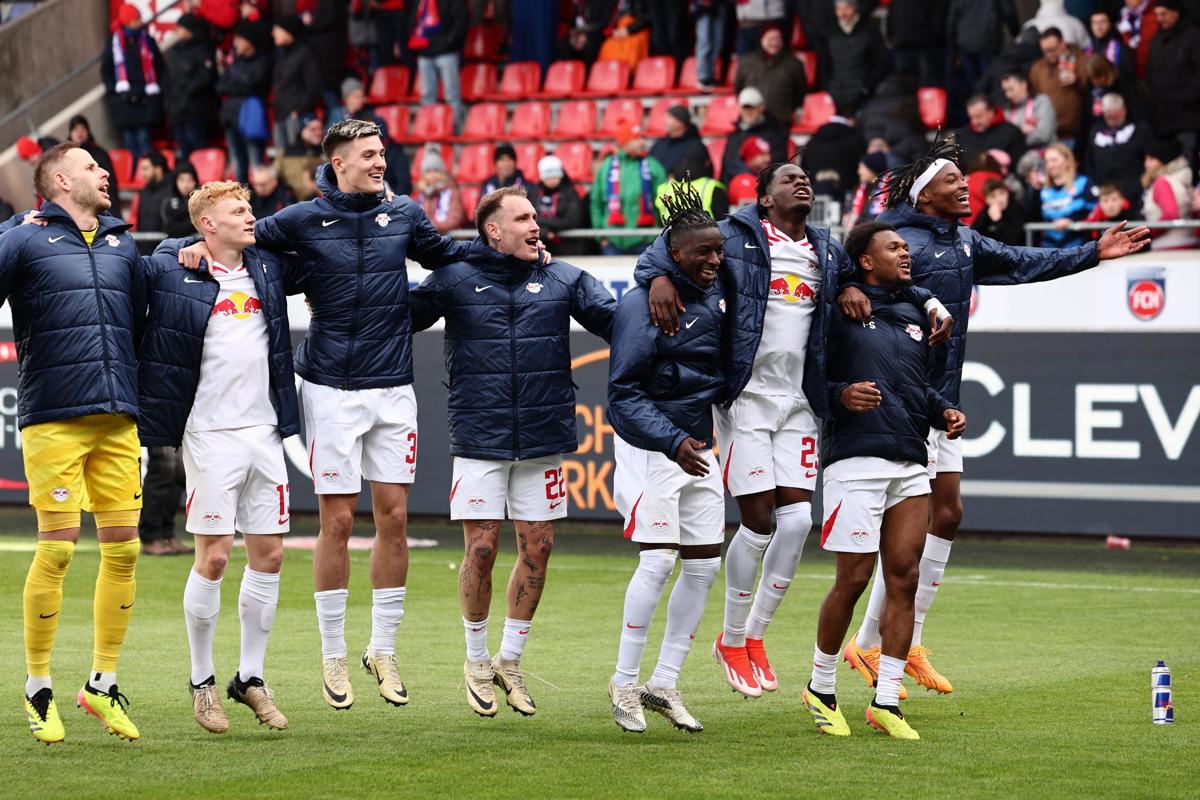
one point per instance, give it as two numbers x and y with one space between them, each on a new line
1072 167
207 196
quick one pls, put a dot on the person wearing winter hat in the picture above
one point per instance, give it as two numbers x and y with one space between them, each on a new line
132 69
682 143
752 121
246 80
506 174
191 95
559 208
296 76
624 190
438 194
865 204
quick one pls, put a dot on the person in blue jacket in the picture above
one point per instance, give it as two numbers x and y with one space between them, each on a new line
511 413
215 376
360 413
925 202
879 377
783 276
70 281
661 390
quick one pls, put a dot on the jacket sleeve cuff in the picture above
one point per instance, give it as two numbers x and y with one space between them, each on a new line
678 440
835 397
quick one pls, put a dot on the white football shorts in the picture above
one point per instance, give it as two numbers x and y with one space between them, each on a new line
531 490
662 504
945 454
767 441
237 480
856 494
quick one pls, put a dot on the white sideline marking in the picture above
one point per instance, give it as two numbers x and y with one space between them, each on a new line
1042 490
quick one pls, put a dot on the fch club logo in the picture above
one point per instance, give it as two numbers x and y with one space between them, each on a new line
1147 292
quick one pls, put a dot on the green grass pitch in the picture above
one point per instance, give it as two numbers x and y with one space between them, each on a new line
1049 645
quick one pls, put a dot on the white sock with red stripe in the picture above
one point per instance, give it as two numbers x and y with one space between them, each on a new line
868 633
742 557
684 611
887 689
516 634
641 599
782 558
476 633
933 567
824 672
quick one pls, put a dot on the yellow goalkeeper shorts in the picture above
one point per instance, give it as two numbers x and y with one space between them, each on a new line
91 463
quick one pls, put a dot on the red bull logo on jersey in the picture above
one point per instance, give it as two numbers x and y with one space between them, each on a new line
382 220
112 241
212 518
755 472
915 332
476 502
330 474
533 288
238 305
660 524
1147 293
791 289
60 494
859 535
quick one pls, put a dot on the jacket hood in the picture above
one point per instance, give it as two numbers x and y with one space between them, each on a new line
346 201
497 265
905 215
106 222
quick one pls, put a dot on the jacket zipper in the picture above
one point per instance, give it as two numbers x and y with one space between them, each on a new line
112 394
512 349
357 304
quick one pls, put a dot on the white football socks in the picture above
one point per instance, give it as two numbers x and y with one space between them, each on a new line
387 610
201 606
742 557
516 634
331 619
887 688
641 599
868 633
685 609
476 634
933 567
779 564
257 601
824 672
35 683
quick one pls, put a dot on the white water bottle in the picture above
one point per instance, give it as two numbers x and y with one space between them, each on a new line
1162 706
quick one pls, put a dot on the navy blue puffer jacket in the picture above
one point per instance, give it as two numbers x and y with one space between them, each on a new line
508 349
892 350
352 250
180 305
74 309
661 389
947 258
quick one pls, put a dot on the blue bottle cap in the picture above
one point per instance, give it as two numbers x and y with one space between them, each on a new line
1160 664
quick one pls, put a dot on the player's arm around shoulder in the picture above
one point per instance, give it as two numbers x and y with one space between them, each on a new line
427 247
433 298
13 256
592 305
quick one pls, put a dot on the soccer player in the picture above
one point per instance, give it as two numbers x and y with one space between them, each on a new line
660 395
216 377
925 202
783 275
360 413
511 416
70 284
876 488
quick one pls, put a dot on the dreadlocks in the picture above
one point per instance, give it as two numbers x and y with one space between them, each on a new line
895 184
685 209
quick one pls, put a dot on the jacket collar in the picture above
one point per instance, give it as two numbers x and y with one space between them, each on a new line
905 215
496 265
344 201
659 255
106 222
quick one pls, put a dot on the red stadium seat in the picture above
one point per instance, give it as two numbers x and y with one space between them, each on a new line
608 78
798 37
716 151
528 156
564 79
656 126
810 66
688 82
818 108
520 81
475 162
123 168
209 163
485 121
432 123
390 84
577 160
742 190
484 43
470 199
134 206
530 120
730 74
169 155
396 118
721 117
654 76
576 118
618 111
477 81
447 153
931 102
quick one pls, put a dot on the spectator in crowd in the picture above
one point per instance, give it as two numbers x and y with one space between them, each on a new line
1105 41
154 173
1116 149
711 18
1171 76
559 208
1053 14
268 193
133 72
713 194
439 32
1137 25
754 155
381 26
668 20
857 56
1104 78
353 104
298 164
438 194
833 155
681 143
326 25
752 121
1114 206
1066 197
398 173
533 38
246 81
79 131
983 168
1168 184
296 78
191 94
589 20
1000 218
628 33
162 489
895 117
505 163
752 17
917 46
176 222
775 72
623 193
987 129
1059 75
1033 115
975 31
866 202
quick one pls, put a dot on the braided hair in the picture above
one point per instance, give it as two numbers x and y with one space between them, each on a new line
685 209
895 184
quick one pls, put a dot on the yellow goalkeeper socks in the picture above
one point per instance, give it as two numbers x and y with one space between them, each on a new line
43 601
115 589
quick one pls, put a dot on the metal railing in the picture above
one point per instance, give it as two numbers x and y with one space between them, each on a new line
1033 228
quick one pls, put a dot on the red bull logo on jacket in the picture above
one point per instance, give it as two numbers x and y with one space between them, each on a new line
792 289
238 305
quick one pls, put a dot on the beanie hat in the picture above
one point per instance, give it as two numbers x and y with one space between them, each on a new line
627 131
550 167
351 85
432 160
128 15
292 24
754 146
876 162
1165 150
502 150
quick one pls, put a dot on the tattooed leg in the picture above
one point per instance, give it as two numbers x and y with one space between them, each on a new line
481 538
535 541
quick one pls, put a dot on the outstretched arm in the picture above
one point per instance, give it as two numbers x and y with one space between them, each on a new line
1002 264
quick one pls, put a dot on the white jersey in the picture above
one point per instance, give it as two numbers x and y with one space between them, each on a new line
235 381
791 302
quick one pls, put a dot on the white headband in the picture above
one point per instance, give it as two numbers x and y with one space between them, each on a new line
925 177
